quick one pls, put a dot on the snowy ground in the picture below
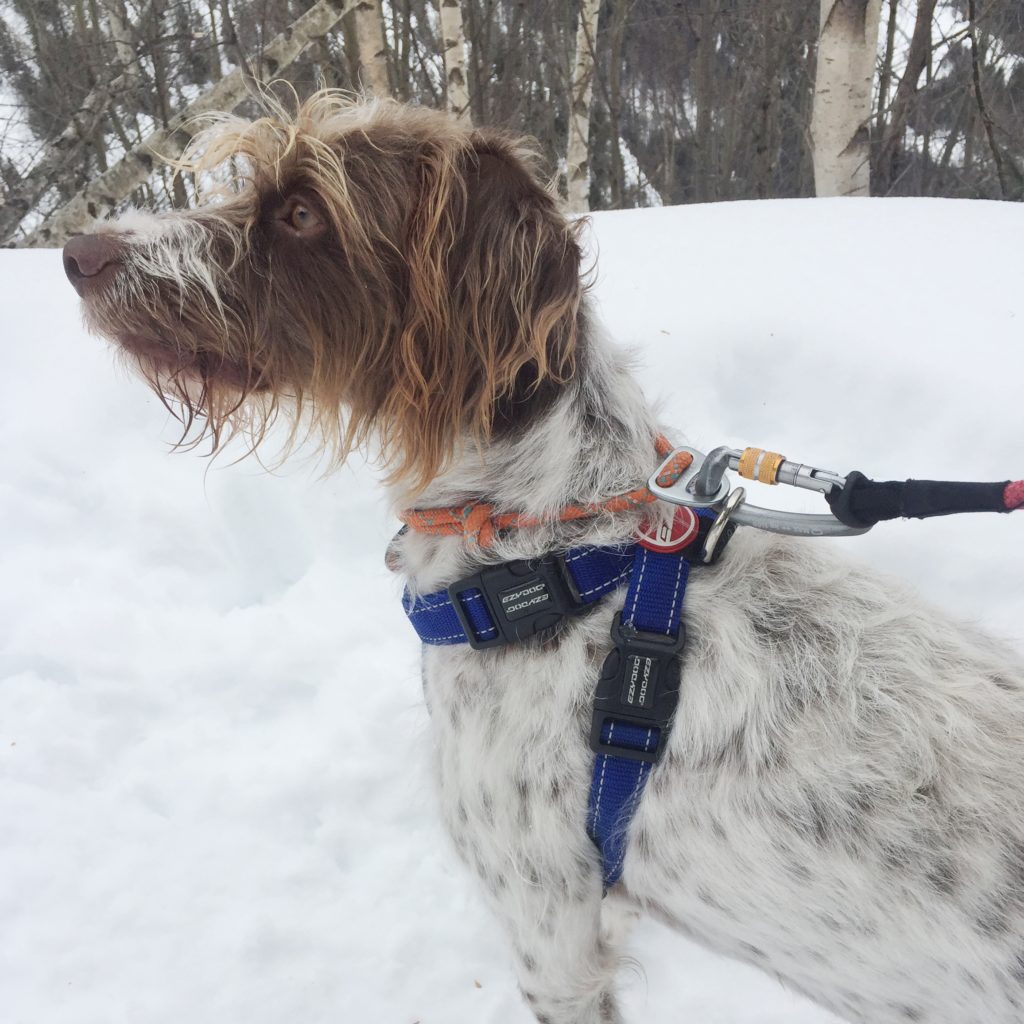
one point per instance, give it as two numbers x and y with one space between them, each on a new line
213 799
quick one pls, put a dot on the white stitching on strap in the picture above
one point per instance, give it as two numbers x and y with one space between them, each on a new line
639 583
420 605
600 784
675 596
610 583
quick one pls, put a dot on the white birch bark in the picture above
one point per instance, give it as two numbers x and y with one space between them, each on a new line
103 194
22 197
371 70
847 44
121 38
218 69
453 41
582 90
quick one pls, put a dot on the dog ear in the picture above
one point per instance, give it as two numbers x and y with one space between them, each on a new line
493 299
517 273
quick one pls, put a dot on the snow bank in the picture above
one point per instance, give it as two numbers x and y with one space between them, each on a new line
214 803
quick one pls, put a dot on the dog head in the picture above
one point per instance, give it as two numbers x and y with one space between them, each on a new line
375 271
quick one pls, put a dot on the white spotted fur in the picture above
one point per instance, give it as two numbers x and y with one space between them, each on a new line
842 801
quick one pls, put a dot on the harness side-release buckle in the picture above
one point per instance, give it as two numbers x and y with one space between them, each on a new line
521 597
637 693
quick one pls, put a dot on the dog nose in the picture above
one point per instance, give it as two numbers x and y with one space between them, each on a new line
87 256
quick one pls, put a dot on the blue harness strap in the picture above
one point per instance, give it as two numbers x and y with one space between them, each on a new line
636 699
514 600
638 689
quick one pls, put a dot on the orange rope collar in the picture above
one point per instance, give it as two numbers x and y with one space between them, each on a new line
480 524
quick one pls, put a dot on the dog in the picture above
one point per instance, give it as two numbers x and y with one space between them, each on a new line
841 798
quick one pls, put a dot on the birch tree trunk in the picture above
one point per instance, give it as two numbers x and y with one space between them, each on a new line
22 196
453 42
581 93
371 64
847 41
122 38
619 14
103 194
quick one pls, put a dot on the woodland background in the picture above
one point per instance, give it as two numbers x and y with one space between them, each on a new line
678 101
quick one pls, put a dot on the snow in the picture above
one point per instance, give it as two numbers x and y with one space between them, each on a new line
215 803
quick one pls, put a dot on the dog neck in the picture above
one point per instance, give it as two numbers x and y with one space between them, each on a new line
595 439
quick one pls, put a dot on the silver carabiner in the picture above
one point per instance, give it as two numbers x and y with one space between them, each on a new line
704 485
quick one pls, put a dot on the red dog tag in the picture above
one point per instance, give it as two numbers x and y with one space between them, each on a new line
671 537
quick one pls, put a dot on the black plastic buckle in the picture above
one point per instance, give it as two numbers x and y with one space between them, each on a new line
639 686
522 598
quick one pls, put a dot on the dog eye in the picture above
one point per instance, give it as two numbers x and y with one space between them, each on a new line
301 218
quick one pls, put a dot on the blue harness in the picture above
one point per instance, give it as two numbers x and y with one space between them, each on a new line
638 687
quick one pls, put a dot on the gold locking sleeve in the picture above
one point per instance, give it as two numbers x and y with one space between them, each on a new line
757 464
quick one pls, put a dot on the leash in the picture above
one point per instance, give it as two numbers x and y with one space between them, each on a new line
856 502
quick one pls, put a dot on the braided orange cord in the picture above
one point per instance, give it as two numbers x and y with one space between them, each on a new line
675 469
663 446
479 524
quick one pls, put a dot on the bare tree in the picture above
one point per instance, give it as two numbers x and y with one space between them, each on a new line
890 147
23 195
104 193
581 93
116 19
670 102
371 65
619 15
454 45
705 82
998 157
847 41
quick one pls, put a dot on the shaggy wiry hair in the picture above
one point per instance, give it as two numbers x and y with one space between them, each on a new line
434 286
841 801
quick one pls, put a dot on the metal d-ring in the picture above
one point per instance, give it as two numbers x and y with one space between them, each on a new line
734 500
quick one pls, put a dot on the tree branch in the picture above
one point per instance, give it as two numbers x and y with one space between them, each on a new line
102 195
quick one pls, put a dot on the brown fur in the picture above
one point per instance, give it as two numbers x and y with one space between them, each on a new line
445 282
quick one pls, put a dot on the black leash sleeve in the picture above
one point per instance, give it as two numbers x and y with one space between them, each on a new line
863 502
